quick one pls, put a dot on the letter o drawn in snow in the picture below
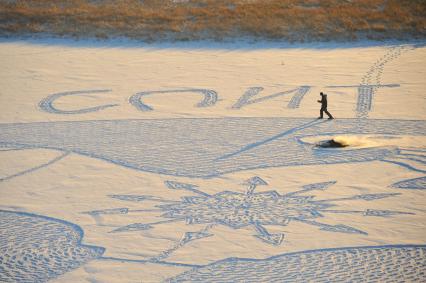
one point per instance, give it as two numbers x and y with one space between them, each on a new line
210 97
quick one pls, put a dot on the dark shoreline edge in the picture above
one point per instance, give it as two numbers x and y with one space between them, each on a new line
238 43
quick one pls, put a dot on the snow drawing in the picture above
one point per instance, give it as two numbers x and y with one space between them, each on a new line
210 97
244 100
46 104
222 145
402 263
36 248
371 81
250 209
44 248
416 183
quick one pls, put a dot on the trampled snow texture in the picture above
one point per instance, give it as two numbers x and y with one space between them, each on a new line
295 101
417 183
373 76
47 103
222 145
210 97
36 248
250 209
363 264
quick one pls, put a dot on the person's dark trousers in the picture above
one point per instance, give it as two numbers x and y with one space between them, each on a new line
326 112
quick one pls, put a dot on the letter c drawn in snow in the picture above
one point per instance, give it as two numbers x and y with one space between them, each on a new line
47 103
210 97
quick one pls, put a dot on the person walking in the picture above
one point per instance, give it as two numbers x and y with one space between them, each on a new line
323 102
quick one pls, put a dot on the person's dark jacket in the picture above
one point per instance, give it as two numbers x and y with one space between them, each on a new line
323 101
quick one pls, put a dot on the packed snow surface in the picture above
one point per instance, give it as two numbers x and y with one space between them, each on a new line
127 162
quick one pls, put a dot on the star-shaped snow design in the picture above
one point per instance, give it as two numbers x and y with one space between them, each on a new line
250 209
237 210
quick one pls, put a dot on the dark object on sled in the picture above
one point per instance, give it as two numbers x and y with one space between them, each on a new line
331 144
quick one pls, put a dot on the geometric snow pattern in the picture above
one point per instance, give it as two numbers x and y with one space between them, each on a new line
220 145
36 248
417 183
237 210
249 209
404 263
